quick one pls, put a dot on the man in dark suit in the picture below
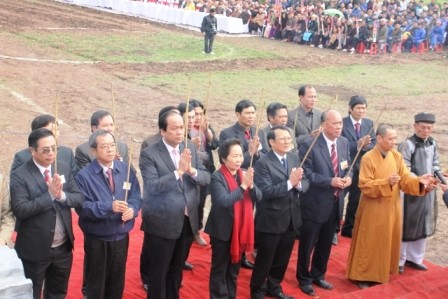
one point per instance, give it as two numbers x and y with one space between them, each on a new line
326 168
277 218
64 153
277 115
361 135
305 117
43 205
103 120
244 130
171 175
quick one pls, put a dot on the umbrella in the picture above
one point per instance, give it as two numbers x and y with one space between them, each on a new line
333 11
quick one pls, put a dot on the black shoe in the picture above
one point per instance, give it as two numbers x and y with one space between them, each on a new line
145 286
420 267
308 289
279 295
335 239
322 283
188 266
400 269
246 264
346 234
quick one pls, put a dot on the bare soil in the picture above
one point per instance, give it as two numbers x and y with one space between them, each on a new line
30 87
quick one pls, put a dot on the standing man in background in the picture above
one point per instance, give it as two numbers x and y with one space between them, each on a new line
209 28
305 117
358 130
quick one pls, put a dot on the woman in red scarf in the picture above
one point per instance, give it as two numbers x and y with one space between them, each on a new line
230 223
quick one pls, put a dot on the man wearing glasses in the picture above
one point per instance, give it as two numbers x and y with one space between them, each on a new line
42 196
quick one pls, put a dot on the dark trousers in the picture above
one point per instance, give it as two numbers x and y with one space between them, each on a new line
144 260
352 206
318 237
167 257
105 263
55 272
223 274
208 42
273 253
202 197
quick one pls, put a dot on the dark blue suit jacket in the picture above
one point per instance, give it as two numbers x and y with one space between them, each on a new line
317 203
348 131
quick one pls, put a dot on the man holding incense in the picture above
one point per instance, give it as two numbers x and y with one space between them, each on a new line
112 201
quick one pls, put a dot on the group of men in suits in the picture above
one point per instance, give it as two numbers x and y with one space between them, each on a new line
301 161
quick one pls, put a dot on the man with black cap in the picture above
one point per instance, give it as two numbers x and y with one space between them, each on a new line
358 130
209 28
419 212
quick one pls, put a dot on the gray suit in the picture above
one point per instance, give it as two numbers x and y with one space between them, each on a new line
84 156
65 154
165 203
303 127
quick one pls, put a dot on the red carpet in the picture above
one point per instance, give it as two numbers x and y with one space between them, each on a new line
410 285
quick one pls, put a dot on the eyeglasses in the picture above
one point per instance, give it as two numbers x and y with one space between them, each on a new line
46 150
107 146
283 139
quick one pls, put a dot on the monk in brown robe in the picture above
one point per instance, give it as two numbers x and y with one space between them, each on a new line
375 248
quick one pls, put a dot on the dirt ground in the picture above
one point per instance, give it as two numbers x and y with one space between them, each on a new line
32 77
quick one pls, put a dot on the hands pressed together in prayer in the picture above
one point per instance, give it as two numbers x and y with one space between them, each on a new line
185 164
296 176
120 206
55 185
254 145
248 179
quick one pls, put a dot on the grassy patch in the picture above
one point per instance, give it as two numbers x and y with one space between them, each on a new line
136 48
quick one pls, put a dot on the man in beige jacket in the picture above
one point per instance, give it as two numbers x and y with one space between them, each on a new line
7 219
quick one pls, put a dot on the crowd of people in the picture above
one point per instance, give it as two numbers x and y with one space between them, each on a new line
351 26
295 172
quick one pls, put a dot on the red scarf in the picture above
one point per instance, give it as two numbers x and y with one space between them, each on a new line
243 219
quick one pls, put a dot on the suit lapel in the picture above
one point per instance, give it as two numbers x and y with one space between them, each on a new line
351 127
324 152
37 175
303 119
166 157
276 162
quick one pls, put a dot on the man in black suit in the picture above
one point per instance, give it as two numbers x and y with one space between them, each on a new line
64 153
277 218
43 203
361 135
244 130
326 168
277 115
103 120
171 175
305 117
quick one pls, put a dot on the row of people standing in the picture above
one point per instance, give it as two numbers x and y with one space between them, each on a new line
170 213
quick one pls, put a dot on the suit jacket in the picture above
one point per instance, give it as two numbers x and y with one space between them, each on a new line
84 156
237 131
278 206
348 131
32 205
64 154
263 133
220 220
303 128
164 197
150 140
316 204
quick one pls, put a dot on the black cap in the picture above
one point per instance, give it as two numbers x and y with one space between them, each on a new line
425 118
357 100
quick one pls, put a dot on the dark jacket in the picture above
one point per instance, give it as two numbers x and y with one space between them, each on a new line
209 24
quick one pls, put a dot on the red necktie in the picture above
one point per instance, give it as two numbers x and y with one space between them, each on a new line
334 161
358 130
110 179
47 175
247 135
